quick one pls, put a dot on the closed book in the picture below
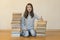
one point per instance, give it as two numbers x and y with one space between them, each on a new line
17 15
15 34
16 29
40 30
41 34
16 19
15 25
15 22
41 26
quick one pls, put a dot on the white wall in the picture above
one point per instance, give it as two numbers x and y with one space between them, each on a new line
5 14
49 9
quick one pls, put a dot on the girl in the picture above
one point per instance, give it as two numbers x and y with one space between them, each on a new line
28 21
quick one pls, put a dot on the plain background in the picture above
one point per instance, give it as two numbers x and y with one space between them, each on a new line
48 9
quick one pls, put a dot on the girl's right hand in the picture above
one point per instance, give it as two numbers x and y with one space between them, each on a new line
25 29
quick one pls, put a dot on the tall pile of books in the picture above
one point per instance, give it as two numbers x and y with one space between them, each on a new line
16 24
40 27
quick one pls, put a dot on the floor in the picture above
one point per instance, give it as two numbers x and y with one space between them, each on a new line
50 35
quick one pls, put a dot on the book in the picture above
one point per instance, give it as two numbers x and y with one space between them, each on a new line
15 34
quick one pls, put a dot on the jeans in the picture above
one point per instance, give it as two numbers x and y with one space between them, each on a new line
27 33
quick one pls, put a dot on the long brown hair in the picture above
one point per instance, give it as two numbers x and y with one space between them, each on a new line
26 11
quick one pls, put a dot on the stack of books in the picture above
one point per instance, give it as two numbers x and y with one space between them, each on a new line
16 24
40 27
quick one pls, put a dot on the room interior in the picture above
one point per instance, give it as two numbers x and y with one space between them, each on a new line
47 10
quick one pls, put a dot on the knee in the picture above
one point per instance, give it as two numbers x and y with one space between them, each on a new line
26 34
33 33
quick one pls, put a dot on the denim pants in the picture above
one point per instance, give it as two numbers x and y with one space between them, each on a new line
26 32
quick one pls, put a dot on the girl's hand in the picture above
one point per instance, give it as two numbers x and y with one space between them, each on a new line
25 29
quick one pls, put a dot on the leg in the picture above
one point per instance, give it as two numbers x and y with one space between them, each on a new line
25 33
33 33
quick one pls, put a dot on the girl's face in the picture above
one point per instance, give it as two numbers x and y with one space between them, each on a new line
29 8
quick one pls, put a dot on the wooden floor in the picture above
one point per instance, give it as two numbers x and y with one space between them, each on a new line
50 35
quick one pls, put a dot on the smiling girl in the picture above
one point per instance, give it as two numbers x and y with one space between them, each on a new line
28 21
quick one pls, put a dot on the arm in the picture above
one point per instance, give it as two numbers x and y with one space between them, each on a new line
23 24
37 17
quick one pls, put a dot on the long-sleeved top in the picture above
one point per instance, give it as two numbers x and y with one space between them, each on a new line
29 22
